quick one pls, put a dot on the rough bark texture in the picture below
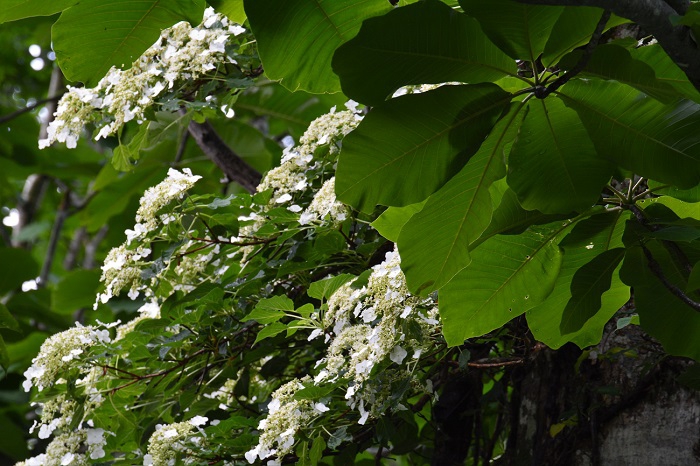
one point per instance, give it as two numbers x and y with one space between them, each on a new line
235 168
621 402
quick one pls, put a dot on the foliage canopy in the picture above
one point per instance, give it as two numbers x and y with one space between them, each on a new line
518 163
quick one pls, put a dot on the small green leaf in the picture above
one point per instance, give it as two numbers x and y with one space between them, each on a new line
390 223
23 267
233 9
317 448
313 392
323 289
7 320
623 322
270 331
264 316
76 290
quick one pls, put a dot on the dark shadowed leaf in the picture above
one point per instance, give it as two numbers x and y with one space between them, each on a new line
423 43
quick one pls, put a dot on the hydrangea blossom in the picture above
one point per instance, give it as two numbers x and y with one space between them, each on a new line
363 328
58 351
182 53
171 440
122 267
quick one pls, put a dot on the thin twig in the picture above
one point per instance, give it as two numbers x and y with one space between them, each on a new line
656 270
10 116
53 240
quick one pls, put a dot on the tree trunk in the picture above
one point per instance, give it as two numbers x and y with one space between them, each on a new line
618 404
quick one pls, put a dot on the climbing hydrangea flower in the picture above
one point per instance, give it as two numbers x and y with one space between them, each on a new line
171 440
182 53
58 351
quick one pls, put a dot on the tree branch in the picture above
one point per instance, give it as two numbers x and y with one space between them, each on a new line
53 240
234 167
5 118
656 270
654 16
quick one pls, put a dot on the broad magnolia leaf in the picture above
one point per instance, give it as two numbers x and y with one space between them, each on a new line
666 69
520 30
434 243
407 148
639 133
550 322
95 35
18 9
297 38
687 195
678 325
508 275
553 165
611 61
574 28
426 42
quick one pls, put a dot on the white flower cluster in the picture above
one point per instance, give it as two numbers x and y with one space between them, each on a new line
366 330
286 416
149 310
121 269
182 53
58 351
171 440
324 206
71 448
301 165
363 327
155 198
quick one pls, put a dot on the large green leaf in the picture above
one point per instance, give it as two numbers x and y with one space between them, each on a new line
661 313
18 9
434 243
666 69
588 285
588 239
95 35
407 148
611 61
553 165
508 275
574 28
297 38
76 290
520 30
426 42
638 133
